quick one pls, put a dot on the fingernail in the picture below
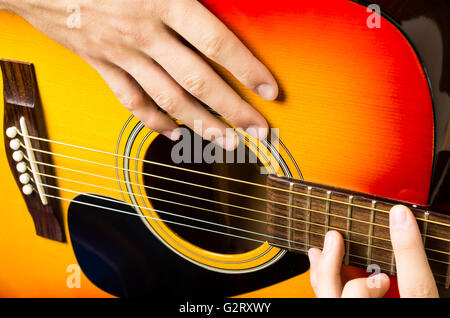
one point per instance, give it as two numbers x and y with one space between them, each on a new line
228 143
397 216
173 135
328 243
257 132
266 91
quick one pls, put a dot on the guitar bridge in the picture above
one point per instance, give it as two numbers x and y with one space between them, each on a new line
23 117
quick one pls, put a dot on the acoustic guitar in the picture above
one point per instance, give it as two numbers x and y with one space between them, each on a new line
93 204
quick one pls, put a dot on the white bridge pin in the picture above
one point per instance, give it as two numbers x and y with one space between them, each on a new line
11 132
31 159
24 178
17 155
14 144
27 189
21 167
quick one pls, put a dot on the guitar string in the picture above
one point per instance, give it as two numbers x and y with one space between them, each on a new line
210 174
225 191
228 214
218 232
219 202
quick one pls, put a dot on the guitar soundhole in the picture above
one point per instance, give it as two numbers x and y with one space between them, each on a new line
208 199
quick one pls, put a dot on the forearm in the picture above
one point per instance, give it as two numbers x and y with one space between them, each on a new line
11 5
5 4
16 6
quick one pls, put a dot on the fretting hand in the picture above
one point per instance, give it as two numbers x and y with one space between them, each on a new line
415 278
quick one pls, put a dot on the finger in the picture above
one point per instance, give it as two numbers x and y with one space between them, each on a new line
201 81
314 257
210 36
329 282
169 96
132 96
370 287
415 278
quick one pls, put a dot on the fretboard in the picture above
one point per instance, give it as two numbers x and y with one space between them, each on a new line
300 213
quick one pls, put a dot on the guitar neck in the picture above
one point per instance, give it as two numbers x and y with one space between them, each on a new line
300 213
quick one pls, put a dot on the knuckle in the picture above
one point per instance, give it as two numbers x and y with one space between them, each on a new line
100 41
213 46
133 35
235 114
195 85
112 54
232 115
130 101
165 12
245 75
170 11
165 101
150 121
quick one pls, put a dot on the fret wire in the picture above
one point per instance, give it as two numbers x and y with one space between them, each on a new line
291 186
425 228
192 171
369 239
392 262
308 218
327 212
349 225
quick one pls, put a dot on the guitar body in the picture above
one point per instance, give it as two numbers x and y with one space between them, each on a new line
355 111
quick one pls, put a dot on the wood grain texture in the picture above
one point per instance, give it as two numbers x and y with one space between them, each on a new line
21 99
363 221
